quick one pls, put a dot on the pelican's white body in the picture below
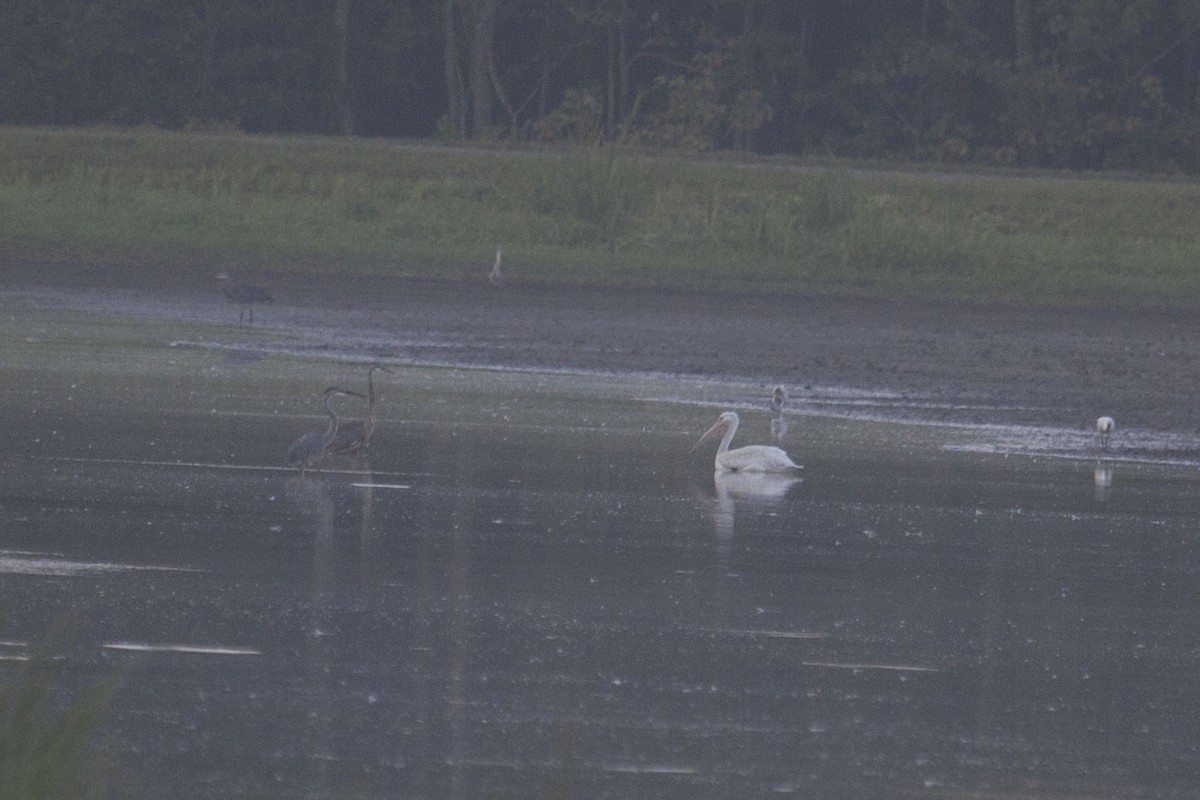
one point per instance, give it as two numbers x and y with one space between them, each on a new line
1105 427
752 458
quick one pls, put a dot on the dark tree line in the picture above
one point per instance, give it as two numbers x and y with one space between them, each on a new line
1061 83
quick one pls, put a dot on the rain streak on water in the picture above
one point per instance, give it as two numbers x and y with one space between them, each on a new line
534 589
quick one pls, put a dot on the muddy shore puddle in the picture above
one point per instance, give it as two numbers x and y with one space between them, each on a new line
534 588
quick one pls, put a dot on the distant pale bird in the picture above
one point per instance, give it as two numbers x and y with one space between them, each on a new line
353 438
496 276
752 458
1105 426
778 398
245 295
310 448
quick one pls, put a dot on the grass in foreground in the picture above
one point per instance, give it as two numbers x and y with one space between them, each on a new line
44 751
601 216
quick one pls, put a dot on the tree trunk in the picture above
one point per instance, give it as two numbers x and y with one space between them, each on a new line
743 139
610 75
452 70
343 109
622 65
1028 151
210 58
482 40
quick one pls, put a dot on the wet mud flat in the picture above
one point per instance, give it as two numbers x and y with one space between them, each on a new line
533 588
963 364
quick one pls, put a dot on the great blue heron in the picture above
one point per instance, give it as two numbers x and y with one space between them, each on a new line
778 398
496 276
354 438
310 448
1105 427
245 295
752 458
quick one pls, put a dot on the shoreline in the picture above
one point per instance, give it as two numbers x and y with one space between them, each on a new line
1046 367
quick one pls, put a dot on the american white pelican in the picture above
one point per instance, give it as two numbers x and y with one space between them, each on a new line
778 398
1105 427
496 276
753 458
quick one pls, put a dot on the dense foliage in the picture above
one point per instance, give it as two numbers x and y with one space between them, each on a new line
1058 83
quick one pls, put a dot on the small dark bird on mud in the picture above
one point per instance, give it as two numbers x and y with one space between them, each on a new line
245 295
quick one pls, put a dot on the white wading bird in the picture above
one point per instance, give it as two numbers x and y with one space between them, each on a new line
1105 427
753 458
496 276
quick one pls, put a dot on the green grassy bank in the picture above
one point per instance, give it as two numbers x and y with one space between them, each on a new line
602 216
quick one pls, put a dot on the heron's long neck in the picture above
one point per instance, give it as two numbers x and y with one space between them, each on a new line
331 431
728 437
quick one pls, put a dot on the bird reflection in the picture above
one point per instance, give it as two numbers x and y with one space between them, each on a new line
311 500
366 554
1102 478
746 490
779 428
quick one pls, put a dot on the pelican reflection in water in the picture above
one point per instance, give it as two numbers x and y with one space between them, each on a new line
310 448
747 490
751 458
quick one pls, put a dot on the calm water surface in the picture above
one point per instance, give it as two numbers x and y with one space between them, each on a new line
533 589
